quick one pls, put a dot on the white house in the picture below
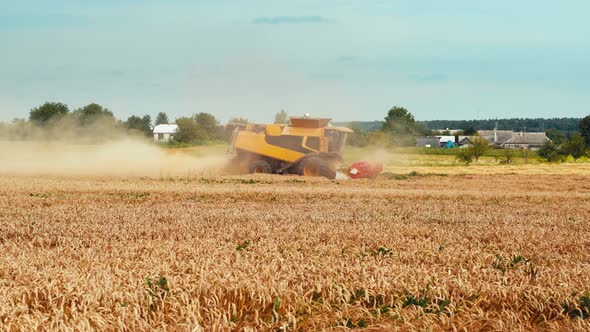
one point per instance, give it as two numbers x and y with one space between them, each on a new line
164 132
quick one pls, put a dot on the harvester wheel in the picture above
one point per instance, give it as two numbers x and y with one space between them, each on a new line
315 166
260 166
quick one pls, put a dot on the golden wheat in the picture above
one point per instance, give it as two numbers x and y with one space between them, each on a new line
470 252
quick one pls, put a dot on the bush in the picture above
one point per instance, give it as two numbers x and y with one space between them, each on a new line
550 152
506 156
575 146
479 147
465 156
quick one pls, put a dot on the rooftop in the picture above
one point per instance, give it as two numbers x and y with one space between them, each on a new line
165 129
514 137
528 138
501 135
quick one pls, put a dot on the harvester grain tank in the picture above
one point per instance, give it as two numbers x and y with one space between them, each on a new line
307 146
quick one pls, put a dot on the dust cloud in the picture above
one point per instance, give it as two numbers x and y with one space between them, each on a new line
104 148
377 155
66 149
126 157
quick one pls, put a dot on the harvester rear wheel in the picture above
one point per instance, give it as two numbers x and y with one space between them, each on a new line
260 166
315 166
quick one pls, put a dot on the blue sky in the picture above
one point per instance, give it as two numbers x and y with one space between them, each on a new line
345 59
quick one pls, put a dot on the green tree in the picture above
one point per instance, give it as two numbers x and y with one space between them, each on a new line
43 114
575 146
399 121
143 124
585 129
189 131
281 117
92 113
401 125
209 125
549 151
479 146
555 135
198 129
162 118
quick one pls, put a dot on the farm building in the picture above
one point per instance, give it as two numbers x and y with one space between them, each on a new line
447 141
522 140
442 141
164 132
465 141
496 137
428 142
454 141
514 140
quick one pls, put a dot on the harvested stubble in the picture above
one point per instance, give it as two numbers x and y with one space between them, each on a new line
504 252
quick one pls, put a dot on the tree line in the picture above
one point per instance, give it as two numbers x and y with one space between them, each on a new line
55 120
52 112
564 125
569 136
514 124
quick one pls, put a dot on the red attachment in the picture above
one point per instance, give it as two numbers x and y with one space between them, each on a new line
364 169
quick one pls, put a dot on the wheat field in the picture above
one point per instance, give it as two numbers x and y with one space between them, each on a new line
431 252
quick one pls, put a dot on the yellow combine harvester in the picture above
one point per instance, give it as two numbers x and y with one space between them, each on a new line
308 146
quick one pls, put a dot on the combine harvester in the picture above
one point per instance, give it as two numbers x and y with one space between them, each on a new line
308 146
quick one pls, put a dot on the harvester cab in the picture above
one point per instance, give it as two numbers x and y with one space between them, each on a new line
307 146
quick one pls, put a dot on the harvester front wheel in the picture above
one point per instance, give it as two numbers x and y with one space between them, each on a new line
260 166
315 166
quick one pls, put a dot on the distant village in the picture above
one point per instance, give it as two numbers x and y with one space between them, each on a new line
506 139
498 138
